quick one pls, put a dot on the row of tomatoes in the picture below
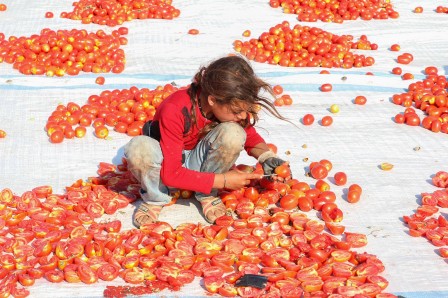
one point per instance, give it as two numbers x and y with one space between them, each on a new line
113 13
125 110
429 95
336 11
56 237
304 46
65 52
428 221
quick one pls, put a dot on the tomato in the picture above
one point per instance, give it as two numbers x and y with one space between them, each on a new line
308 119
353 196
356 239
335 228
399 118
80 131
319 171
227 290
100 80
340 178
360 100
326 121
101 132
418 9
305 204
277 88
213 283
57 137
2 134
322 185
397 70
326 87
55 276
193 31
412 119
395 47
283 171
355 187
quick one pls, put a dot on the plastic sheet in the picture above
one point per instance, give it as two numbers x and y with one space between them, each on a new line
360 139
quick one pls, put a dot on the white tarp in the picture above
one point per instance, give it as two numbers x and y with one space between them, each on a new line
360 139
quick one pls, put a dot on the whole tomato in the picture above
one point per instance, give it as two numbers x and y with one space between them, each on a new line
326 121
326 88
319 172
289 202
308 119
340 178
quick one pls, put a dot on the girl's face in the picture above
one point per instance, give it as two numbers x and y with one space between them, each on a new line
229 113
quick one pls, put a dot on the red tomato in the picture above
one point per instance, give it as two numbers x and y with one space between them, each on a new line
326 121
305 204
340 178
353 196
326 88
213 283
308 119
289 202
283 171
395 47
397 70
57 137
100 80
360 100
101 132
277 89
355 187
319 171
193 31
49 15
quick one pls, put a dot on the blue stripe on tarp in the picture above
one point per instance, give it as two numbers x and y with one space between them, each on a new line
426 294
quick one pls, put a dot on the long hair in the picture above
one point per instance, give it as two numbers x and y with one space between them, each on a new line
231 80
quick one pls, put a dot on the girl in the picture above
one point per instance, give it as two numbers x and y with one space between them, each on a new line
197 135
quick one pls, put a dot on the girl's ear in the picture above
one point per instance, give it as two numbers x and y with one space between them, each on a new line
211 100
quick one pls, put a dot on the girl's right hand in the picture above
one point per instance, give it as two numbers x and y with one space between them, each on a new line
236 179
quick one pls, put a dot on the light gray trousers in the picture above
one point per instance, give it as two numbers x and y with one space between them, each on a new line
215 153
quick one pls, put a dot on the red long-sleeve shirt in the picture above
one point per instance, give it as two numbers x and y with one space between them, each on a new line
178 133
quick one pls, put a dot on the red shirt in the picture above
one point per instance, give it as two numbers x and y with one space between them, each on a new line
178 133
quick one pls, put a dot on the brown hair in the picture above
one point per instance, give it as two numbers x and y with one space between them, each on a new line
232 80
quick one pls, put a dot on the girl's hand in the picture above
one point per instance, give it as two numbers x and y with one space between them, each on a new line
236 179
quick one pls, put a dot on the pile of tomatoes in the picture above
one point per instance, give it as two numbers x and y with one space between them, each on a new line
56 53
430 96
62 238
303 46
125 110
442 9
428 221
337 11
116 12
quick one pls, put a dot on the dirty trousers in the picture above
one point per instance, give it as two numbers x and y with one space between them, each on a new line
215 153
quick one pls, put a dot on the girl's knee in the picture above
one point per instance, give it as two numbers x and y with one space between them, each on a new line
143 150
231 135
